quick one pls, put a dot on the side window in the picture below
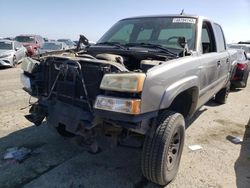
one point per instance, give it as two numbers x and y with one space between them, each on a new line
207 38
221 44
123 34
242 56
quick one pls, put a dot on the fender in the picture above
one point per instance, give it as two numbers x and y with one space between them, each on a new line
176 88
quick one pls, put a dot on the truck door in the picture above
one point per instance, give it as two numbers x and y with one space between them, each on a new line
223 61
209 69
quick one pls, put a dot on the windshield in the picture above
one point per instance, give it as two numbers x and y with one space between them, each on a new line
5 45
25 39
160 30
66 41
52 46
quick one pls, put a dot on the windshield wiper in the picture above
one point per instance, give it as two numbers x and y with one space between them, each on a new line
155 46
117 44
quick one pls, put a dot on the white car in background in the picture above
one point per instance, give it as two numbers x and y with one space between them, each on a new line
69 42
52 46
11 53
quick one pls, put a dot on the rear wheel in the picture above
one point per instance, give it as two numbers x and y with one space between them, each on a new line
245 81
163 148
222 95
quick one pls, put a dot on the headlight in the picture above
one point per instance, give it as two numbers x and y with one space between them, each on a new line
129 82
6 55
25 81
28 64
128 106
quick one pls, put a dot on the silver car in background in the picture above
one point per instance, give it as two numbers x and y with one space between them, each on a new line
245 47
69 42
52 46
11 53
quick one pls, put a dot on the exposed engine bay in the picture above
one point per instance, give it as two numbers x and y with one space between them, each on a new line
84 68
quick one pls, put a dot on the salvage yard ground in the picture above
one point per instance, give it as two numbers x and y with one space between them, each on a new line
59 163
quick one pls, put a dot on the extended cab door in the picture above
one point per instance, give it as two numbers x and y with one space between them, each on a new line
223 55
210 66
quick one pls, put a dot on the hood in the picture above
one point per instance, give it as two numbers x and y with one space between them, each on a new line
3 52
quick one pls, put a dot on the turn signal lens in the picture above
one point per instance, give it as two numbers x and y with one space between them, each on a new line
128 106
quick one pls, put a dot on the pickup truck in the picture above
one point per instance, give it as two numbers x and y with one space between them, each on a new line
141 81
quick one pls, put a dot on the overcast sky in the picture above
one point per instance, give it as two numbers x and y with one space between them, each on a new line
69 18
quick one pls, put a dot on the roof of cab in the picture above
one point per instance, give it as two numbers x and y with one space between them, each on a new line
166 15
28 35
5 40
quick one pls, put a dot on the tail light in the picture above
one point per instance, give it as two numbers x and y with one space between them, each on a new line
241 66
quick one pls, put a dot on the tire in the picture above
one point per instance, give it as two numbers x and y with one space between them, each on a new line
245 81
222 95
160 160
14 61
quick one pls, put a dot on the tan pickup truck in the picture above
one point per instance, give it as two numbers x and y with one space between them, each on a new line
140 81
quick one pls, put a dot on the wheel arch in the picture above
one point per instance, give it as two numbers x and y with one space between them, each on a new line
181 96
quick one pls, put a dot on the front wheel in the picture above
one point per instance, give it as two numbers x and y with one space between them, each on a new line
163 147
14 61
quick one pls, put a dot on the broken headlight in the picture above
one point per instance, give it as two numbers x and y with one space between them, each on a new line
126 82
25 80
29 64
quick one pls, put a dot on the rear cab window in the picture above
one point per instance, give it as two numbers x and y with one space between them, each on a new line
220 38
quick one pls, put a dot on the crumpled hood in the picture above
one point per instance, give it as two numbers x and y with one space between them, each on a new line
4 52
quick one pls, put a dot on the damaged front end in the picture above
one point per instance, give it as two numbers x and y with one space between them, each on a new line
66 88
83 93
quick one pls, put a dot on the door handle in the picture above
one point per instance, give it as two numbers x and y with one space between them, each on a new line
227 60
218 63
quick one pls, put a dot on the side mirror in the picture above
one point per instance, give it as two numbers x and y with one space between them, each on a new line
84 40
17 48
182 42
